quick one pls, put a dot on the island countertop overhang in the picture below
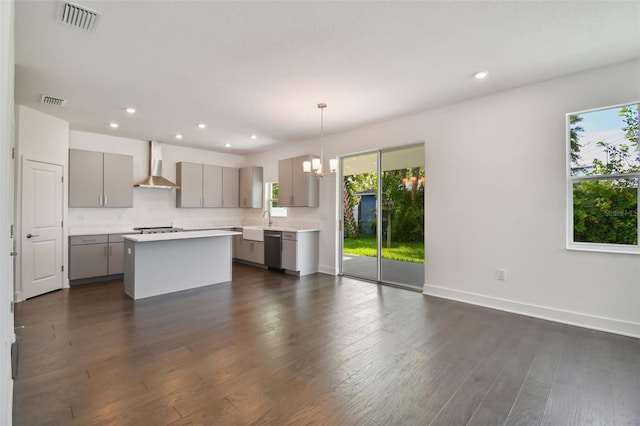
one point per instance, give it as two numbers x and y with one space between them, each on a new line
170 236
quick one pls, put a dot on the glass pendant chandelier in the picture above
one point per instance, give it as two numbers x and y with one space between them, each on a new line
315 165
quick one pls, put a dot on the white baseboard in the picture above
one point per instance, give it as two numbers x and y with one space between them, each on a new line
327 270
610 325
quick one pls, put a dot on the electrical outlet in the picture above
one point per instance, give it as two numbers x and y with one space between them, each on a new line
501 274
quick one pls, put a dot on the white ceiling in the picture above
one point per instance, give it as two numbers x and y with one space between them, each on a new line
261 67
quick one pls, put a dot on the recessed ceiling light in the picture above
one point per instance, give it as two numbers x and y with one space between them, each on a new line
131 110
113 125
202 125
480 74
254 137
178 136
227 145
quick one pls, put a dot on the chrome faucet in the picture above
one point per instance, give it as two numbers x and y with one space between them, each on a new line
268 216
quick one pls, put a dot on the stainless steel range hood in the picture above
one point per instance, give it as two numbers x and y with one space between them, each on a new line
155 179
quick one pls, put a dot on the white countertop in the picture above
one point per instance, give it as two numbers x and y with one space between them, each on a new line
143 238
281 228
120 230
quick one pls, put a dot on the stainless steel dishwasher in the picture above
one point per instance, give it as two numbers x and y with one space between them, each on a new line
273 249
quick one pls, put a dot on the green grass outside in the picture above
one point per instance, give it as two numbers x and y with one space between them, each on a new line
403 251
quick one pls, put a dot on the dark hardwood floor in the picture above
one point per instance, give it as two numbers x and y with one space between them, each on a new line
271 349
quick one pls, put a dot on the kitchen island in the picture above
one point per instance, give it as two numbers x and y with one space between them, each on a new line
157 264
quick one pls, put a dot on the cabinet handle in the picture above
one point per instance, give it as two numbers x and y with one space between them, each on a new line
100 200
88 240
105 200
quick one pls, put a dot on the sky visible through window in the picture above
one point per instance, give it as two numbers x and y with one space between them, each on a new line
600 126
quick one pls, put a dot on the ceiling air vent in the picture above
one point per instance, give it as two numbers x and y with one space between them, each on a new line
78 16
50 100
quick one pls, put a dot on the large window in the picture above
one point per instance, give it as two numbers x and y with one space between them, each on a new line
603 174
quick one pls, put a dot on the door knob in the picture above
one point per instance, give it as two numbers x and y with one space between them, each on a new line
32 235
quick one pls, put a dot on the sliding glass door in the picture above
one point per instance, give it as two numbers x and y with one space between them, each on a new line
383 216
359 212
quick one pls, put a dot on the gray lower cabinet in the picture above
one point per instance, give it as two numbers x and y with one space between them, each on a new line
248 250
300 252
116 254
88 256
93 256
98 179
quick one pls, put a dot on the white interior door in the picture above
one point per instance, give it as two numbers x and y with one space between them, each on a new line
42 191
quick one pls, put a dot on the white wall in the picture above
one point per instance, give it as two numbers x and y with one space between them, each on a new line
151 207
495 198
45 138
7 335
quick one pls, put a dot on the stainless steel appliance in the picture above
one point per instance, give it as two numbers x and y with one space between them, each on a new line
273 249
155 178
157 229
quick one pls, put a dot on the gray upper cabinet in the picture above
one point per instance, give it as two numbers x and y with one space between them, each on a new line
230 186
99 179
297 188
189 179
251 187
212 191
204 185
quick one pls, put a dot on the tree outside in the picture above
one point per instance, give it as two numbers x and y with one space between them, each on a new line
402 215
605 210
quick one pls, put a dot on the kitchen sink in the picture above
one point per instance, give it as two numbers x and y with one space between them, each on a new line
253 233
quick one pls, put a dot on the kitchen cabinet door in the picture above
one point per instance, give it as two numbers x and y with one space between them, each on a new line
290 255
253 251
189 179
85 178
116 258
300 252
285 183
251 187
212 179
230 187
297 188
98 179
88 260
117 180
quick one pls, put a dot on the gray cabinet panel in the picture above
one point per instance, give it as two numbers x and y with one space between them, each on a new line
116 258
285 183
230 187
189 178
297 188
251 187
85 178
300 252
118 180
212 186
289 255
204 185
88 260
95 255
99 179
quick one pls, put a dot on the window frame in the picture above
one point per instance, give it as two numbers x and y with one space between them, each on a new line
273 211
571 180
